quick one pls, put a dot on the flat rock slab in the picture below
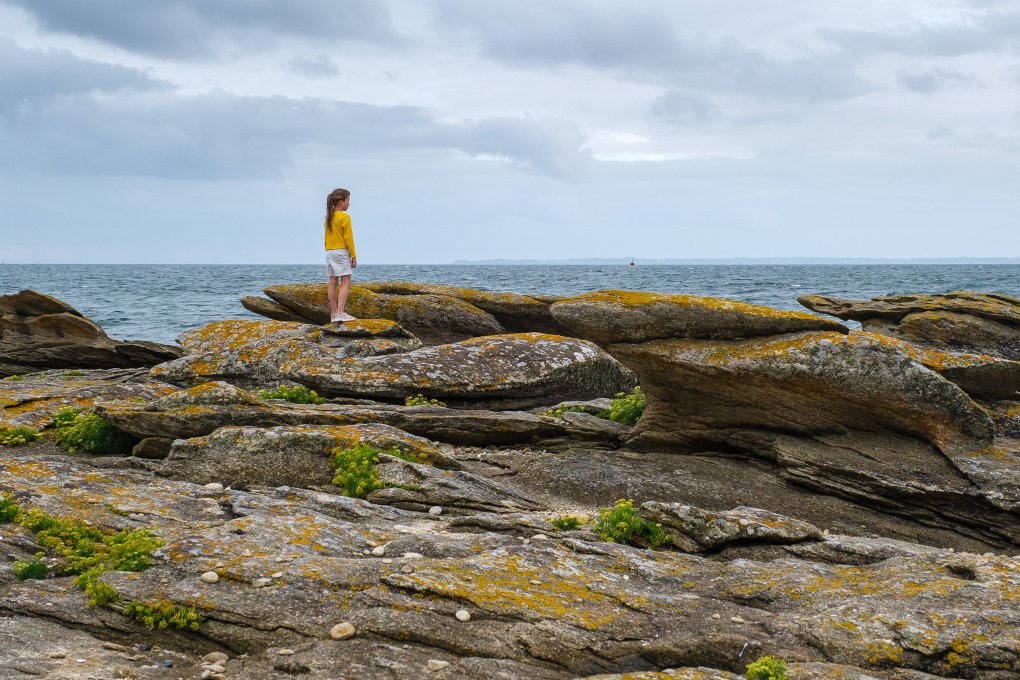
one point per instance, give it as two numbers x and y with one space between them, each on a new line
611 316
32 400
979 323
696 529
516 371
279 456
251 352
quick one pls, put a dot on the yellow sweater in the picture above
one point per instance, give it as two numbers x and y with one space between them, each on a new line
340 236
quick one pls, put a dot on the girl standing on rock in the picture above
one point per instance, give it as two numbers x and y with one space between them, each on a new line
341 257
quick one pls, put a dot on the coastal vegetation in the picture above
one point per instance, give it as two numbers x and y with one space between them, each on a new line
295 394
356 469
81 431
622 524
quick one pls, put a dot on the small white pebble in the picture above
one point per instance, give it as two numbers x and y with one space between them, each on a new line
463 615
539 537
526 541
285 652
436 510
626 578
716 616
535 582
436 665
736 619
215 657
213 486
366 551
387 560
261 582
217 668
57 655
342 631
219 565
407 569
379 551
277 574
80 660
210 577
206 674
412 556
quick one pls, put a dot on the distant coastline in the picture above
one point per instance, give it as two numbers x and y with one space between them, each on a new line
751 261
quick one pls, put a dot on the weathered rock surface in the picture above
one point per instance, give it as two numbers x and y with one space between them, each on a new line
505 371
250 353
435 319
560 607
977 323
39 332
271 309
610 316
33 399
696 530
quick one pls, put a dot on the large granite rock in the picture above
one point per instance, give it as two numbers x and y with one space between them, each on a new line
977 323
250 353
38 332
293 564
608 316
502 371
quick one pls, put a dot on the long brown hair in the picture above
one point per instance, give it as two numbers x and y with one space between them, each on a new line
334 197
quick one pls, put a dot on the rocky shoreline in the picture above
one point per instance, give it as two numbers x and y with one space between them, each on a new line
439 497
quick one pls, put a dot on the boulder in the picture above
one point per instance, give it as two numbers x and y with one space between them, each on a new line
502 371
250 353
39 332
435 319
977 323
271 309
610 316
33 399
242 457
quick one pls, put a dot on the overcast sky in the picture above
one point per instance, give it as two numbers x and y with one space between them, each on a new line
211 130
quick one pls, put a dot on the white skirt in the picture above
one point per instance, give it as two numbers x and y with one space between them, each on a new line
338 262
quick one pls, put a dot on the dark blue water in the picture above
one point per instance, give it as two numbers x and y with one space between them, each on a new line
156 302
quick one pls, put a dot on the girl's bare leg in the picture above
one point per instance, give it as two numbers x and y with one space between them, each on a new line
331 295
341 298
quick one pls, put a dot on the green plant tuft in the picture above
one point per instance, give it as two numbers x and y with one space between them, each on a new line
422 400
15 378
356 471
560 410
622 524
626 408
90 433
98 593
17 436
766 668
296 394
164 614
33 569
567 522
10 511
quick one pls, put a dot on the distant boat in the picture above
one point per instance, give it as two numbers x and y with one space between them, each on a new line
632 263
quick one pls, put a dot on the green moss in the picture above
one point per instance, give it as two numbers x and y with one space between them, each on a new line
296 394
626 408
422 400
567 522
356 471
14 378
559 411
621 524
164 614
17 436
89 433
33 569
766 668
10 511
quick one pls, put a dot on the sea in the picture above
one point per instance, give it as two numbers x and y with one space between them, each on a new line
159 301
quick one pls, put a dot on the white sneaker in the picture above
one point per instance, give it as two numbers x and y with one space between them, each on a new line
346 317
333 318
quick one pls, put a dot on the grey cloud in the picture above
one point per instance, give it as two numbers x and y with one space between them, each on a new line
193 28
680 107
225 136
319 66
940 132
29 75
932 80
641 40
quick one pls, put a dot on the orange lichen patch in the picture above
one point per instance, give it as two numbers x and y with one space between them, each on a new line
629 298
236 333
529 337
30 470
503 584
371 326
933 359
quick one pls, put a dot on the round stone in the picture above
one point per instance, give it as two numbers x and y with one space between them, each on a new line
342 631
261 582
277 574
210 577
57 655
379 551
285 652
213 486
539 537
437 665
412 556
436 510
463 615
